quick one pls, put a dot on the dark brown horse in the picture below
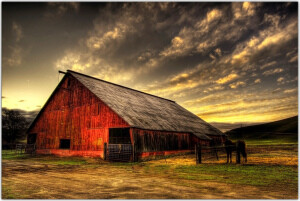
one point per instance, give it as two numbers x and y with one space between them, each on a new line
231 146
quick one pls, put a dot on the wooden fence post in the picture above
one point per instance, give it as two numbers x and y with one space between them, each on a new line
105 150
199 154
133 152
196 154
238 155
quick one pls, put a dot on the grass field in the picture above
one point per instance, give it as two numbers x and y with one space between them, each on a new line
271 173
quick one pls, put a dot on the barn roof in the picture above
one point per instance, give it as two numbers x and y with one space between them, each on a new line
146 111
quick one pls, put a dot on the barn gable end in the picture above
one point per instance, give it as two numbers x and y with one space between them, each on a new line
74 113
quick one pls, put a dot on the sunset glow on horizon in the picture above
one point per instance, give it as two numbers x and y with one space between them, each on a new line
225 62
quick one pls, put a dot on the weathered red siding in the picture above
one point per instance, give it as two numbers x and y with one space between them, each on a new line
150 143
218 139
74 113
196 140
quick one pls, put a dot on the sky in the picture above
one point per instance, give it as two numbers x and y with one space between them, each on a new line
225 62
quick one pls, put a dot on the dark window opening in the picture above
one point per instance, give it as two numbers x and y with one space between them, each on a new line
64 144
31 138
119 136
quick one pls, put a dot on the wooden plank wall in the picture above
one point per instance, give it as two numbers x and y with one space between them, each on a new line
195 140
74 113
149 141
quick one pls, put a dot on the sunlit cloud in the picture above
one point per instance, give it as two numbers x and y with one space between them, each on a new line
294 59
257 81
281 79
213 15
226 79
243 10
218 51
178 47
288 91
273 71
272 63
102 40
237 84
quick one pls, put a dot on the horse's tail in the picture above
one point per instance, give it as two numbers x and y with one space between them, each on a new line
244 154
244 151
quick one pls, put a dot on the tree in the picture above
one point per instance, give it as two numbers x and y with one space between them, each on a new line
14 125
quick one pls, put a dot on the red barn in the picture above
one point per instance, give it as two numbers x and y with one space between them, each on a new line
86 116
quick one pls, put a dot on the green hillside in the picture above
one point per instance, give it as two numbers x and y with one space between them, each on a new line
285 130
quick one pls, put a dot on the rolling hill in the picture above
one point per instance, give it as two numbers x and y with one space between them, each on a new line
282 129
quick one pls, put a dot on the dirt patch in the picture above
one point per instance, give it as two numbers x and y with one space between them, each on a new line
49 177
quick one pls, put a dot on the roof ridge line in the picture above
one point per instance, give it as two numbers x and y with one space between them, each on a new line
120 85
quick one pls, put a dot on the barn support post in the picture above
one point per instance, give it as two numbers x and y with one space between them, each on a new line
216 152
105 151
238 155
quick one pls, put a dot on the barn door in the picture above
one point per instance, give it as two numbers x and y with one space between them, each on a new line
119 147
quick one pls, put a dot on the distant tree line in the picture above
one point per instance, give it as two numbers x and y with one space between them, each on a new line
14 126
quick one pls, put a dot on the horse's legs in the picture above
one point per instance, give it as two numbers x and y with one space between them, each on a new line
230 155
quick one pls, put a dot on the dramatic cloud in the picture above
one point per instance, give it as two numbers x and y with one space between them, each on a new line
58 9
16 51
226 62
257 81
281 79
236 84
17 30
226 79
271 72
287 91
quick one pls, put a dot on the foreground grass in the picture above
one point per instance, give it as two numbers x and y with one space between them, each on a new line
258 175
47 159
264 175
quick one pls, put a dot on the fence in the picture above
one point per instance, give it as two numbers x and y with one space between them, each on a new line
25 148
118 152
213 152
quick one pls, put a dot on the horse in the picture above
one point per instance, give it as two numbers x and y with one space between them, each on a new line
231 146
